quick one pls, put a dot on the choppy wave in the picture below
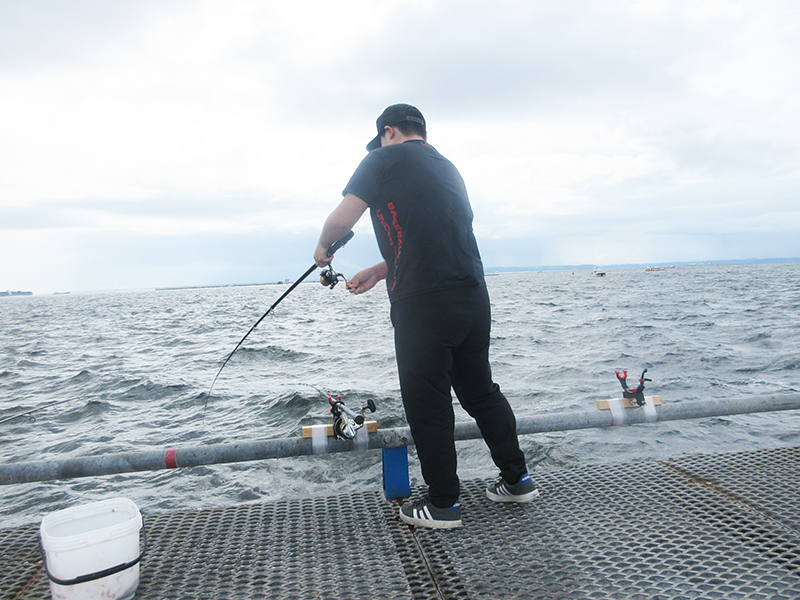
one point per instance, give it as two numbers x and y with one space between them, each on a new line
131 371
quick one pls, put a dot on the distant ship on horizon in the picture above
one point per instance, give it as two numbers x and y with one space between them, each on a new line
17 293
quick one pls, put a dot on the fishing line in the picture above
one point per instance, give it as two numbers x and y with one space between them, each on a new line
336 245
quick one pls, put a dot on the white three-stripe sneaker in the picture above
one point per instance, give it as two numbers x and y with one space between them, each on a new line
424 514
522 491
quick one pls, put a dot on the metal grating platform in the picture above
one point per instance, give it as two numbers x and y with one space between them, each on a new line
722 526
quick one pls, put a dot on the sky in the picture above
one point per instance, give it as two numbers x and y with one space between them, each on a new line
159 143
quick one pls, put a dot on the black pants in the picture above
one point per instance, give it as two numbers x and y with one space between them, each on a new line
442 341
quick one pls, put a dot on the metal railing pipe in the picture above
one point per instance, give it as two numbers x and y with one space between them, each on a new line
670 411
127 462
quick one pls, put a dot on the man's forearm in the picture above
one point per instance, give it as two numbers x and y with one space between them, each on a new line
337 225
334 229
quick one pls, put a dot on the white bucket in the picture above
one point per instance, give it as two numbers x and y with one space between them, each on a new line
92 551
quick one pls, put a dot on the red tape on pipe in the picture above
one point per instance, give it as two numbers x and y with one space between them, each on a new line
169 458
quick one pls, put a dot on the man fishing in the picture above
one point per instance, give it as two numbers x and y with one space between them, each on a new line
440 308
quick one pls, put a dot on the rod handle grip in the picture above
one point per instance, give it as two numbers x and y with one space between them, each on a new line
339 243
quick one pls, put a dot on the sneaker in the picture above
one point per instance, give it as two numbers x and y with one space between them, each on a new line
522 491
424 514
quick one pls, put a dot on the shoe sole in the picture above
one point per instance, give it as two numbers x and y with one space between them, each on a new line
429 523
520 498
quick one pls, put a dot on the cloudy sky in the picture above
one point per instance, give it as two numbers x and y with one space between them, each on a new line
170 143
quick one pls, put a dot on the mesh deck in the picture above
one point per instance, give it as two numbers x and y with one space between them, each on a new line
723 526
327 548
649 531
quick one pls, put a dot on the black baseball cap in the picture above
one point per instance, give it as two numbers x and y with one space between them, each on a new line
396 113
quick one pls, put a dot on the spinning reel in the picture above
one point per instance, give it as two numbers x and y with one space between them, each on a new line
329 277
345 421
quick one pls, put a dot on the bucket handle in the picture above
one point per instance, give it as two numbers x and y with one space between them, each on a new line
99 574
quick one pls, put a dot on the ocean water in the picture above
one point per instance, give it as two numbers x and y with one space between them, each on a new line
130 371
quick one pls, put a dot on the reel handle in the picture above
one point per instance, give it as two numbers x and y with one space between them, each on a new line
357 418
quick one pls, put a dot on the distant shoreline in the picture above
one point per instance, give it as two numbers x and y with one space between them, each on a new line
222 285
695 263
488 271
9 293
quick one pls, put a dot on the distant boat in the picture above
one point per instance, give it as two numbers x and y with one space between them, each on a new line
10 293
656 269
599 273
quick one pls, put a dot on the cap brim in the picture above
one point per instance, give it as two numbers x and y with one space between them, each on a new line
375 143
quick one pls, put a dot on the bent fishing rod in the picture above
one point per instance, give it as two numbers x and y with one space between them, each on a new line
329 278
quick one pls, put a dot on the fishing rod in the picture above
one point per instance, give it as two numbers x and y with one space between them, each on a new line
329 278
33 410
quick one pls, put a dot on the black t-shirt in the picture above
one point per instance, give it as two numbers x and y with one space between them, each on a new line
421 216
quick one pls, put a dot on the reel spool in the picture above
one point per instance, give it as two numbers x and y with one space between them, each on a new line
329 278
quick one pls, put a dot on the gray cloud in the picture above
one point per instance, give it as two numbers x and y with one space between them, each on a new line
74 213
511 58
690 131
48 33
